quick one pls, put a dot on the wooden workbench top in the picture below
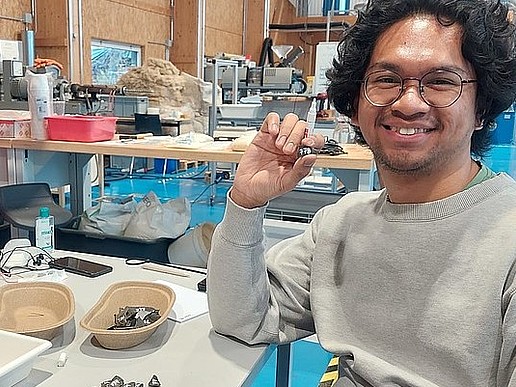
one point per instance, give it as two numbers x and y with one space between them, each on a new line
357 157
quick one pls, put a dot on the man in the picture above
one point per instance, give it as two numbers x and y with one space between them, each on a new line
411 285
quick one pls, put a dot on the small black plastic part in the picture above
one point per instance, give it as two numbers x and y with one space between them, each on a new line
201 285
305 150
154 382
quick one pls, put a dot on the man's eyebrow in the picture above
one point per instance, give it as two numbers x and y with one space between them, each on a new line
398 69
385 66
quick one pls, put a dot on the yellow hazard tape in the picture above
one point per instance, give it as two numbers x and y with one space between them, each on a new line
331 374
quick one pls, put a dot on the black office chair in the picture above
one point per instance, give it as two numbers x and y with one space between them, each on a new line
20 204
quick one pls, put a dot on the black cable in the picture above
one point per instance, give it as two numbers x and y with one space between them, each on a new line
205 189
307 26
40 257
114 178
266 52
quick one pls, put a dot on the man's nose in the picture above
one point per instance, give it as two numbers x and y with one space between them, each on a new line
411 93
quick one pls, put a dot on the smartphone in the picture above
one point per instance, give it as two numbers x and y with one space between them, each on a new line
80 266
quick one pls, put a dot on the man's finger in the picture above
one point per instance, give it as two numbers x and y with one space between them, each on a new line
271 124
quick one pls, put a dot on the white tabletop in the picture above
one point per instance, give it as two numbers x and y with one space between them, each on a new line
180 354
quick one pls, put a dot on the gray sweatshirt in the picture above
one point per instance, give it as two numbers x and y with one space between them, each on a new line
406 295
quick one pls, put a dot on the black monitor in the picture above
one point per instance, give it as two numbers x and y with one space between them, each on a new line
147 123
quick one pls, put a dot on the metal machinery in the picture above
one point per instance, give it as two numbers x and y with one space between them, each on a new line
253 80
275 77
80 99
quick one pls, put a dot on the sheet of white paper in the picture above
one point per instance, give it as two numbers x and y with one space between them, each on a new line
189 303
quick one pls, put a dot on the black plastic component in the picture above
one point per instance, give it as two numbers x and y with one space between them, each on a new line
5 234
201 285
154 382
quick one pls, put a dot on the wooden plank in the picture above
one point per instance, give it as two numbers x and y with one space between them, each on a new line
187 67
51 37
232 42
162 7
254 37
225 15
51 42
11 29
184 49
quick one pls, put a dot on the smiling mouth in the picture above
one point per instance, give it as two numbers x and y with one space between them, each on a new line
407 131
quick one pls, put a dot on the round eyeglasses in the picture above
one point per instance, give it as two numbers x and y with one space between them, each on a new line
438 88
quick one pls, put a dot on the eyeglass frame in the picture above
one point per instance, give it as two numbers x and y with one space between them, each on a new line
420 89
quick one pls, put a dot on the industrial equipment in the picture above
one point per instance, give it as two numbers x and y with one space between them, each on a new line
262 79
80 99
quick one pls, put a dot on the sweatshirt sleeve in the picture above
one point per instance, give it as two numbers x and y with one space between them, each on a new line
507 364
253 296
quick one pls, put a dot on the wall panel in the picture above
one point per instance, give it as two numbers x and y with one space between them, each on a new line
143 22
184 46
9 29
140 22
214 37
254 36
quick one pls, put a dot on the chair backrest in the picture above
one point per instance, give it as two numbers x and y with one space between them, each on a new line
26 195
20 204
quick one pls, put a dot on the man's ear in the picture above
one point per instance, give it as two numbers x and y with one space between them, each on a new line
479 122
354 117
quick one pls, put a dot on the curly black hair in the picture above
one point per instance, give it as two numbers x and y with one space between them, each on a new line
488 43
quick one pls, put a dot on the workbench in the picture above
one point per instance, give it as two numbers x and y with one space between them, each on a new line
63 162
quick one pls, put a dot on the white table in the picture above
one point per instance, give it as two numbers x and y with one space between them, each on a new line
180 354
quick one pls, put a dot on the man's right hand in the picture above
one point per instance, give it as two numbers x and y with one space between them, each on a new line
270 166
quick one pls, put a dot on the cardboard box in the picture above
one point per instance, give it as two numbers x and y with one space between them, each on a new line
14 123
14 128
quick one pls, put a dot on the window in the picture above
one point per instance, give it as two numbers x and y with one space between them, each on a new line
322 7
110 60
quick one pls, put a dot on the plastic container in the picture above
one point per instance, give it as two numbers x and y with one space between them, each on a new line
159 165
15 128
245 111
69 238
40 103
19 352
81 128
15 123
45 230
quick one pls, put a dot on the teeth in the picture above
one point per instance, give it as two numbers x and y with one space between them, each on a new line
409 131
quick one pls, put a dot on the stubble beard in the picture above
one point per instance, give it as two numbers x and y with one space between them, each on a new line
405 164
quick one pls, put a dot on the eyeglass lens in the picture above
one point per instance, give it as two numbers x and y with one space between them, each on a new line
438 88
